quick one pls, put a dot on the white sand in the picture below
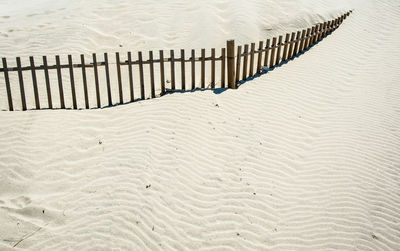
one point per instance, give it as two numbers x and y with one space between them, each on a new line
305 157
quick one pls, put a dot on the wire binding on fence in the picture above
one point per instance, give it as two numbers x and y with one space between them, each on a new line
275 52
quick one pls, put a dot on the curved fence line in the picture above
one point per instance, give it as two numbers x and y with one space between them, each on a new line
131 82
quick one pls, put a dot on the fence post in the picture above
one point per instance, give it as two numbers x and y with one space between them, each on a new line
230 48
10 102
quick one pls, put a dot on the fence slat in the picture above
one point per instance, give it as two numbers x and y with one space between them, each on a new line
34 82
107 68
285 48
183 83
332 22
153 91
327 28
296 45
272 61
321 31
245 59
306 42
96 80
60 83
162 76
238 59
319 37
118 63
266 53
290 52
252 49
6 78
259 59
203 68
310 40
324 30
131 90
316 34
21 84
303 34
141 74
230 50
223 68
72 81
172 70
213 68
313 34
193 70
47 79
84 81
278 51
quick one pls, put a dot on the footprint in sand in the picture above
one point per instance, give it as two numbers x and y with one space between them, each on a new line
20 202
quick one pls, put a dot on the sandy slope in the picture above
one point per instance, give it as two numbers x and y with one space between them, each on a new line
303 158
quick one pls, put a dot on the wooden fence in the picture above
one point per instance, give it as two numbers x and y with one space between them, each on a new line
254 59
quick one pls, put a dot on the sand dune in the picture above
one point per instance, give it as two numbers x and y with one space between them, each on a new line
302 158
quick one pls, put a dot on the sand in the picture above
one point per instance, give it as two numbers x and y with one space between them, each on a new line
305 157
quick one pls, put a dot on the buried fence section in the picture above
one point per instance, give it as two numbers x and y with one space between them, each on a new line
96 81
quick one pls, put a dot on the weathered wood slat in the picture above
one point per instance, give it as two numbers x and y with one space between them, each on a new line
183 78
84 81
213 68
272 58
107 68
332 26
307 39
141 75
245 59
266 53
162 75
34 82
314 34
72 82
230 50
203 68
193 69
172 70
21 85
48 88
130 73
60 83
296 45
223 68
290 52
301 46
285 48
319 32
238 59
96 80
153 91
259 58
327 29
8 87
278 51
251 69
119 79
